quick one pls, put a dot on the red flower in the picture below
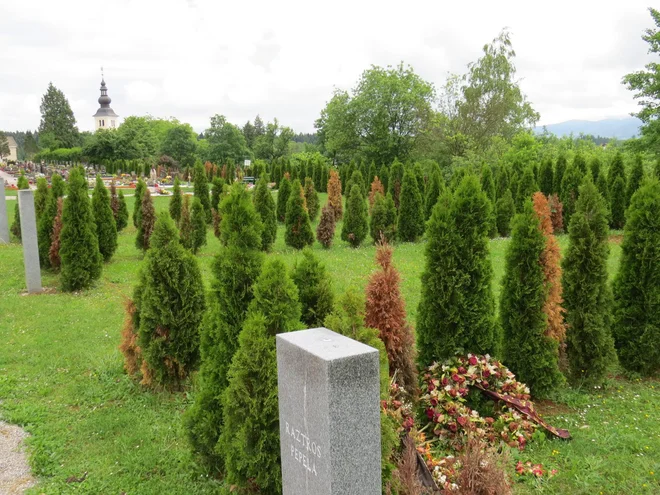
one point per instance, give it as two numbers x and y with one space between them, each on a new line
486 373
462 370
520 469
473 360
452 427
462 420
430 413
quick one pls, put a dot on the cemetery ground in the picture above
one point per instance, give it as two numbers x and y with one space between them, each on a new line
62 379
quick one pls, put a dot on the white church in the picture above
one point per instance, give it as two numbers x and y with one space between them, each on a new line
105 117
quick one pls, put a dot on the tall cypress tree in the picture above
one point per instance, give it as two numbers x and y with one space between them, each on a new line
355 227
587 296
580 162
334 195
601 185
396 181
175 202
356 178
217 185
457 309
147 221
137 206
298 232
106 229
186 225
505 208
560 168
528 351
201 189
198 220
314 288
312 199
383 224
45 227
595 166
411 212
384 176
40 197
421 182
570 190
283 198
526 188
617 204
547 177
635 179
435 187
487 182
636 325
79 247
265 206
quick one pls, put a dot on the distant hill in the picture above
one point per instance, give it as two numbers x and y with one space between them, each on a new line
622 128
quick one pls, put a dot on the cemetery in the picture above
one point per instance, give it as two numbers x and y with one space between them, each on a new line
241 313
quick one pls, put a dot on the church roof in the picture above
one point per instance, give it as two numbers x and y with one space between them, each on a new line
104 100
105 112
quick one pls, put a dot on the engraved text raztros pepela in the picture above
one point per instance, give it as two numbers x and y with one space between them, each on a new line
303 448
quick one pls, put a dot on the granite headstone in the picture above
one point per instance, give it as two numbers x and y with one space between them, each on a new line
4 221
329 406
29 240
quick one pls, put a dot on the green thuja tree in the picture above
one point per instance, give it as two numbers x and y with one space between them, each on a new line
502 181
122 214
170 309
217 186
45 226
456 313
201 189
580 162
587 295
356 178
384 176
283 194
81 260
355 227
560 169
601 185
298 230
186 225
547 177
419 179
618 204
383 224
505 208
315 289
435 187
312 199
656 169
198 220
265 206
147 222
137 206
395 181
526 188
250 440
176 201
528 351
235 269
595 166
570 190
106 229
636 325
487 183
635 179
16 226
411 210
40 197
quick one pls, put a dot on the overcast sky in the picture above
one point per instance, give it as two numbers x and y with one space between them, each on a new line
194 58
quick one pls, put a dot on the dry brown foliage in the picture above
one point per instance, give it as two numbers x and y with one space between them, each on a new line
376 187
483 472
54 251
406 476
556 213
325 232
385 311
129 338
550 259
334 194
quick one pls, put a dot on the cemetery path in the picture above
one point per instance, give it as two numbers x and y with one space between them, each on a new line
15 475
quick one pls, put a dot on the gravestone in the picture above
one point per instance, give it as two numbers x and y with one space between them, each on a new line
329 400
29 240
4 221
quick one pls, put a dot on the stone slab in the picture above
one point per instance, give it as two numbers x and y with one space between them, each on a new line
329 403
29 240
4 221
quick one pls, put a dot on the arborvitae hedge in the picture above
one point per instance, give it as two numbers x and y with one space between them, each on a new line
106 230
411 210
250 441
526 188
618 204
635 179
334 195
434 188
587 296
171 308
505 208
312 199
570 190
355 227
16 226
325 232
147 222
235 269
396 181
176 201
456 313
40 197
264 204
79 246
315 289
137 206
298 230
636 325
283 194
528 351
547 177
201 189
383 225
45 226
560 168
198 219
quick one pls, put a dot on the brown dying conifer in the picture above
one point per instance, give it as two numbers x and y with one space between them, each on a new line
334 194
556 213
376 187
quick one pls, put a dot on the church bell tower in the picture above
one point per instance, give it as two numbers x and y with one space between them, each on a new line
105 117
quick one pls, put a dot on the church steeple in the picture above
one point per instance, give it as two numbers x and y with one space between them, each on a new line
105 117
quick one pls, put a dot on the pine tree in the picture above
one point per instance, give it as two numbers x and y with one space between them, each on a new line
528 351
526 188
383 222
636 325
147 217
456 313
265 206
618 204
201 189
235 269
587 296
570 190
283 197
137 207
635 179
396 181
45 226
312 199
40 197
106 229
22 183
314 288
185 224
386 312
325 232
175 202
560 169
171 308
376 188
54 259
546 181
505 208
487 183
298 230
411 212
434 189
198 220
334 195
250 440
355 227
79 247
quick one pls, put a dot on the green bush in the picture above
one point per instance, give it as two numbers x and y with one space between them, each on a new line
547 177
217 186
635 179
382 225
560 168
595 168
411 211
570 191
265 206
137 206
79 246
395 181
314 288
283 194
176 201
201 189
526 188
312 199
355 227
147 220
325 232
618 204
298 230
505 208
198 220
587 296
40 197
487 183
106 229
185 224
636 325
16 226
45 226
435 187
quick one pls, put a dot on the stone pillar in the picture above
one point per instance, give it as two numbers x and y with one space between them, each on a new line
329 401
4 221
29 240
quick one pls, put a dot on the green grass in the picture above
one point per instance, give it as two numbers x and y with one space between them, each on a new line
61 378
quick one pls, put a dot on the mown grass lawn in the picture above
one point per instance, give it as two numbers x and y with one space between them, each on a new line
61 378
